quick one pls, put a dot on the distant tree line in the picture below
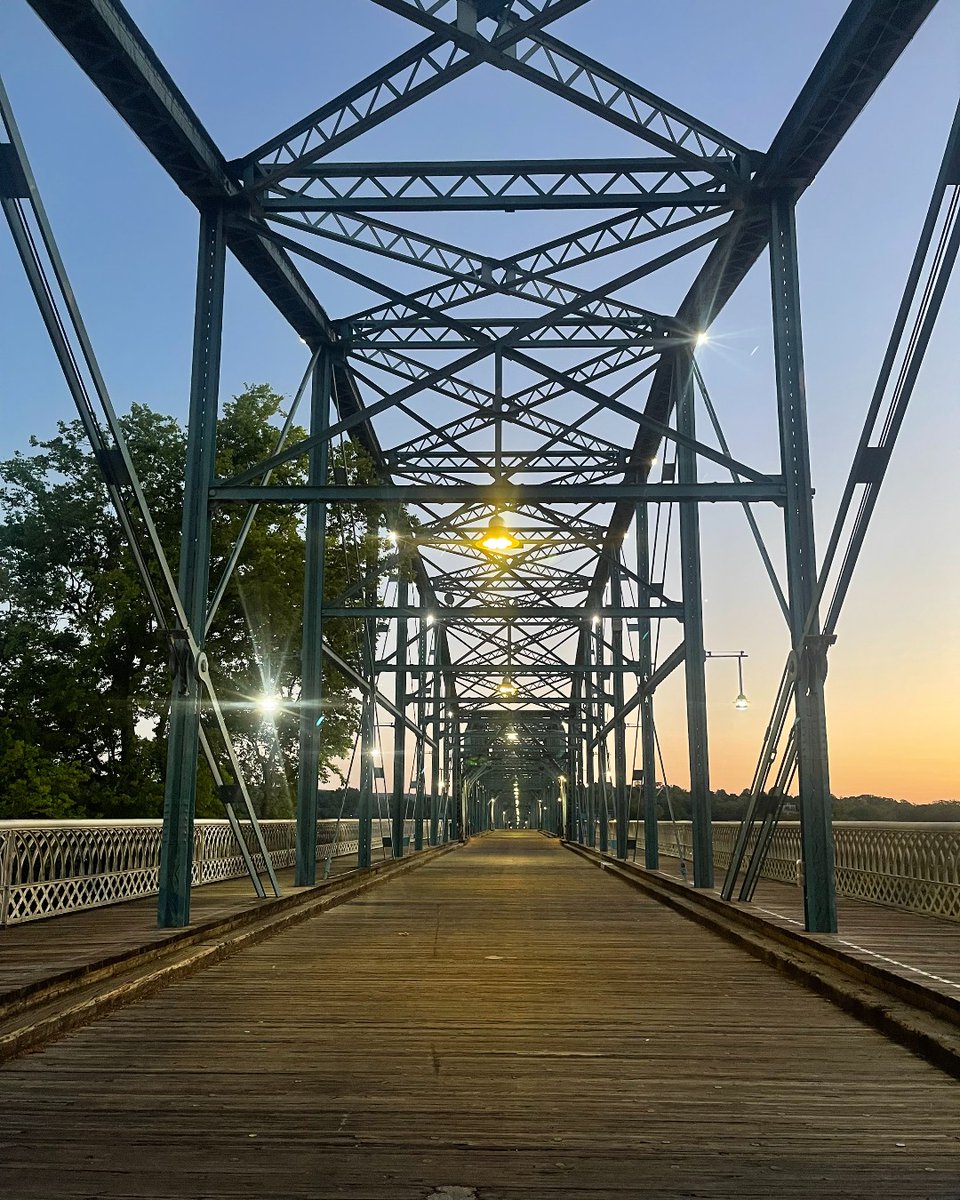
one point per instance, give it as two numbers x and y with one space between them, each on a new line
727 806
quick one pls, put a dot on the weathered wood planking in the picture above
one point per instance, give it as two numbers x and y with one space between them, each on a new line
37 950
504 1019
923 949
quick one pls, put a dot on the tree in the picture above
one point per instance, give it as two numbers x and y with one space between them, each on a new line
84 680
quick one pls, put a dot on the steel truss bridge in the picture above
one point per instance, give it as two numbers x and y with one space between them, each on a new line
529 426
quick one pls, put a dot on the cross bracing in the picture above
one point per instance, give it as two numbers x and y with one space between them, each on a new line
532 421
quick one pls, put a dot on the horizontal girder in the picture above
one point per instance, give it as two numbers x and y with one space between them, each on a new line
497 495
637 184
508 612
565 333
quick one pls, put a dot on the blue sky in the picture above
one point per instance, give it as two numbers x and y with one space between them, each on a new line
128 238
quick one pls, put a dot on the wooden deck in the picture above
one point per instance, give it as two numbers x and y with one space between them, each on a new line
505 1020
36 951
920 949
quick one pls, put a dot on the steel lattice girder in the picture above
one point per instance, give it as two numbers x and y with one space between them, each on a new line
516 494
498 187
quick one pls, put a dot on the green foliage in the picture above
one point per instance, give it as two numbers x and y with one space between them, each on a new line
84 682
33 785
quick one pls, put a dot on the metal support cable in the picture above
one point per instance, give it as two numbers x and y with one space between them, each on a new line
747 510
250 516
673 816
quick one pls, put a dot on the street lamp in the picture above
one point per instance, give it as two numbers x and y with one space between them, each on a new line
741 704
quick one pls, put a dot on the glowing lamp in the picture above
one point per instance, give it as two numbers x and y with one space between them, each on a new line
498 539
507 687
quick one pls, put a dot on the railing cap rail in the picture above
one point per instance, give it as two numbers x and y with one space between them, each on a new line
933 826
139 823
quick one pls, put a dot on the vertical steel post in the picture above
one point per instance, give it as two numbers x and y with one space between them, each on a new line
816 830
368 729
448 794
602 759
365 806
420 759
456 767
397 823
311 688
574 739
436 757
591 732
645 660
183 745
695 658
620 791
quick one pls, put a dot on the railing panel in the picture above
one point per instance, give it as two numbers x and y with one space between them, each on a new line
52 867
913 866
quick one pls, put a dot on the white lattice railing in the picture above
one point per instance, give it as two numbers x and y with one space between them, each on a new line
52 867
911 866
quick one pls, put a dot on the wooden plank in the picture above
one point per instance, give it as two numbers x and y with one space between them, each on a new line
504 1019
915 946
922 949
39 950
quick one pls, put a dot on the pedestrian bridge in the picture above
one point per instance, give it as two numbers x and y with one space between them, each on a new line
496 458
502 1018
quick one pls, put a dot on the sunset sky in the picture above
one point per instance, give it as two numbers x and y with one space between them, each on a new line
129 240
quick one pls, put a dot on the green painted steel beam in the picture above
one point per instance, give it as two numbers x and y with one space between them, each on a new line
813 776
311 689
498 496
694 655
514 670
635 201
512 612
183 737
457 169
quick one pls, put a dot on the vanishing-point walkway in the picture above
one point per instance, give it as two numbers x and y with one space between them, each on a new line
505 1019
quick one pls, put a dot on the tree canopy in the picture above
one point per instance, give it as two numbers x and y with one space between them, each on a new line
84 678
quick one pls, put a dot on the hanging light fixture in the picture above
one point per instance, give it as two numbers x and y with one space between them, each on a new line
498 539
741 703
506 687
